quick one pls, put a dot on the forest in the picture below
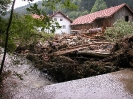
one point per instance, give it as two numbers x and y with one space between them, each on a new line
84 7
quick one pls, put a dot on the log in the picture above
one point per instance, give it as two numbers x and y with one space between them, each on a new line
76 48
67 51
93 53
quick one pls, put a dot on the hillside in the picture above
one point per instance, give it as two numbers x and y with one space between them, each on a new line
84 7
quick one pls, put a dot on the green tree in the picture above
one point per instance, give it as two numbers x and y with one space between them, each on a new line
6 39
19 26
87 4
4 5
24 29
99 5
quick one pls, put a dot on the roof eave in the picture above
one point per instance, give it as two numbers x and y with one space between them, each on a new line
61 14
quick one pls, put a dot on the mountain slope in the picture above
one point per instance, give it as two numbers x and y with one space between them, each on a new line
84 7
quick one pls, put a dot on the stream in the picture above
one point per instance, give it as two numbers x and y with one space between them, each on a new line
23 80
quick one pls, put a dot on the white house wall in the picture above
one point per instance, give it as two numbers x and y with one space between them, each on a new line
64 22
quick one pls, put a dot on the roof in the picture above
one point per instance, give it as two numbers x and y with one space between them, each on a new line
35 16
99 14
62 15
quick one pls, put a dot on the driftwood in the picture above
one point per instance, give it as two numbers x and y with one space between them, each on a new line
78 59
77 48
67 51
94 54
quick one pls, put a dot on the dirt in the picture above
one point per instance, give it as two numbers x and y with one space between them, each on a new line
68 57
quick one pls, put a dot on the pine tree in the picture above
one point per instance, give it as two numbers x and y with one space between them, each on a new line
99 5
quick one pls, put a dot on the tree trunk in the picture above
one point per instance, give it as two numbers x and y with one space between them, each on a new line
7 36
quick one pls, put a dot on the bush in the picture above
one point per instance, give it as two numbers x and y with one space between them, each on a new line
10 47
120 29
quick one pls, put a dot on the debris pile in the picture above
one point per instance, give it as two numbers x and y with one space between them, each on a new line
68 57
122 52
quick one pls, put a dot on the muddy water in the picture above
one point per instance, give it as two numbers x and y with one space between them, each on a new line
127 80
23 79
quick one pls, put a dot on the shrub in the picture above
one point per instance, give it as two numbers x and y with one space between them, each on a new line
120 29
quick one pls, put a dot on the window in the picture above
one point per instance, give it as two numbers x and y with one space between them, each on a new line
61 19
63 26
55 19
126 18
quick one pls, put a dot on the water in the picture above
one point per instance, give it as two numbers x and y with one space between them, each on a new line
23 79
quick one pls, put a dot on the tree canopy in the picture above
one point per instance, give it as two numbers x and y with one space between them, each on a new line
99 5
4 4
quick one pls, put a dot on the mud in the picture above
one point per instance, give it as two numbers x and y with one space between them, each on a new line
70 57
127 80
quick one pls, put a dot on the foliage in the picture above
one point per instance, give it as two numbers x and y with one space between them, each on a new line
4 4
117 2
56 4
120 29
74 14
6 38
87 4
3 24
99 5
23 29
83 6
11 45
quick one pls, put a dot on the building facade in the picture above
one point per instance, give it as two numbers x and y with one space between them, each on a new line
63 21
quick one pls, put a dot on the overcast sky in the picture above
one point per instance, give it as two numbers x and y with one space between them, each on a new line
20 3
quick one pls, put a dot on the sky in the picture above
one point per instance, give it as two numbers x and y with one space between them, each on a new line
20 3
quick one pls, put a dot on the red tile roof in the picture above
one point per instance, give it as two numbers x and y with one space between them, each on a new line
39 17
99 14
35 16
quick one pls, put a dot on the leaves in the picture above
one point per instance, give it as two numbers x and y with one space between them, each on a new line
120 29
4 5
99 5
34 9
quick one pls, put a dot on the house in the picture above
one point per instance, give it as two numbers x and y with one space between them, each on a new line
63 21
104 18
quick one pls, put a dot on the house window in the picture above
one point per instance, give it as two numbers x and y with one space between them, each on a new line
63 26
126 18
55 19
61 19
